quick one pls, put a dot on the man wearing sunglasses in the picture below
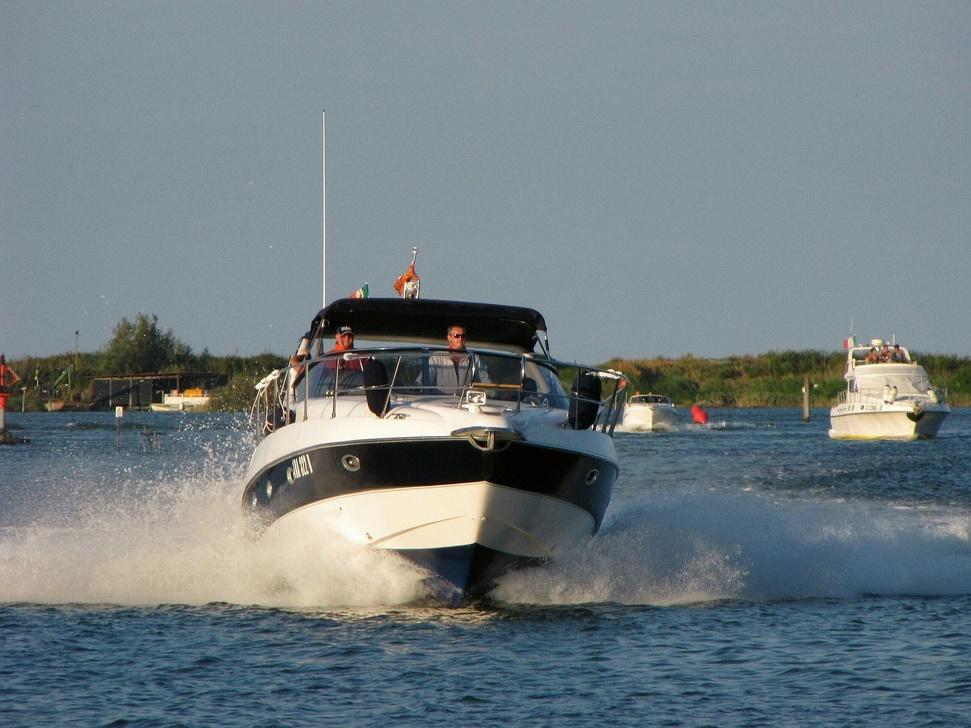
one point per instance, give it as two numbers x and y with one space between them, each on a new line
452 370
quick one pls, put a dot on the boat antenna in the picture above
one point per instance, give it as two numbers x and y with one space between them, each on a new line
323 200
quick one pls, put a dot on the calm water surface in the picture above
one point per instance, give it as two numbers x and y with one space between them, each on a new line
750 573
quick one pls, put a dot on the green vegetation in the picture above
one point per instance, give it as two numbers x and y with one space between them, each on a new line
773 379
137 347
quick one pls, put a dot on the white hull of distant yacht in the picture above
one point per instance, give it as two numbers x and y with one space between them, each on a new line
648 418
881 421
647 413
889 399
182 403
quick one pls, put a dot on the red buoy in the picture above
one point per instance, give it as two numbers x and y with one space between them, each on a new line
699 416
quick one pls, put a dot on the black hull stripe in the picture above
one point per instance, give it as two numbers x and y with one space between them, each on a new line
348 468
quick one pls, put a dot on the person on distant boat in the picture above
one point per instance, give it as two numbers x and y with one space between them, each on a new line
873 357
885 354
451 370
898 354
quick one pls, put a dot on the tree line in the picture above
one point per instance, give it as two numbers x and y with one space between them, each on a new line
772 379
139 346
775 378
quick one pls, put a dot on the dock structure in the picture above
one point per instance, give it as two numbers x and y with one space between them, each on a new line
139 390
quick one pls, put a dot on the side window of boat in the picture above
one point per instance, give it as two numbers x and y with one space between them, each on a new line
547 384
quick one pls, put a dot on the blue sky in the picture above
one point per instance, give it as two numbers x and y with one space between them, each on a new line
656 178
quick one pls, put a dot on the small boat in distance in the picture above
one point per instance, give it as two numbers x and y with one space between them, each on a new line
888 396
492 467
188 400
648 412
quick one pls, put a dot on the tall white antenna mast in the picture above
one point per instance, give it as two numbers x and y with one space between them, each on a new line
323 175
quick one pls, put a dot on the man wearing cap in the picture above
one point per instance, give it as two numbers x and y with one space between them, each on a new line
343 341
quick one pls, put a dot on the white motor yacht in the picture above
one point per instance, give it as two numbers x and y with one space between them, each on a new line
505 470
648 412
188 400
888 396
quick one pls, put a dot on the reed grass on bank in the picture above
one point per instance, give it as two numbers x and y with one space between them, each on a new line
773 379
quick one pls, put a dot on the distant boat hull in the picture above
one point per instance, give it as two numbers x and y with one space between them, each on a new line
888 399
182 403
851 421
647 413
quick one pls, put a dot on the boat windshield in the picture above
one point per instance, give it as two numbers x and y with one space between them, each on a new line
650 399
913 381
432 371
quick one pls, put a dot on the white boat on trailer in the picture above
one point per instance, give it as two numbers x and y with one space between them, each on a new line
888 396
506 470
647 413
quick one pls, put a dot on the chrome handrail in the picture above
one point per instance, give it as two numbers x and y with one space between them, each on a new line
270 408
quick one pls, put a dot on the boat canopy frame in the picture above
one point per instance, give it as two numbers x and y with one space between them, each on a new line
426 321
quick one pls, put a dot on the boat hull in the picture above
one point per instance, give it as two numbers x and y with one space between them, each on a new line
647 419
463 514
886 424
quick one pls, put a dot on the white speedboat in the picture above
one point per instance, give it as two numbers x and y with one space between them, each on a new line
887 396
505 470
648 412
188 400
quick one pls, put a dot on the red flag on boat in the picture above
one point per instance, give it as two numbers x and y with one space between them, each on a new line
849 343
408 284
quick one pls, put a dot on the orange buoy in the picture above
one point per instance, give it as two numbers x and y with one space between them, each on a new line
699 416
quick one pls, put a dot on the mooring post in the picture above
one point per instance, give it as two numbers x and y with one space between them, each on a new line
805 399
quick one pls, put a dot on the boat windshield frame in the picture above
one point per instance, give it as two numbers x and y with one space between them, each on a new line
513 384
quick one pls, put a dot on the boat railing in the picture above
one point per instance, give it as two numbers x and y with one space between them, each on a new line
385 376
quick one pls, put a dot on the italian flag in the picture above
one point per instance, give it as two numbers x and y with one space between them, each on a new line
849 343
361 292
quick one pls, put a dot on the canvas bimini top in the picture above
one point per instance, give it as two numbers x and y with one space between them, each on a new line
425 321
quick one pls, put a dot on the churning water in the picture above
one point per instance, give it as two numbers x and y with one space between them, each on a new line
749 573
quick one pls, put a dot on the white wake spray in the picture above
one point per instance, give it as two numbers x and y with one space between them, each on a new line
692 545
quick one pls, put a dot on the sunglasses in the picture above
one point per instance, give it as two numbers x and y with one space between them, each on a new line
457 336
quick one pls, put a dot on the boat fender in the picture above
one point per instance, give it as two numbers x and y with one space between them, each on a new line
917 414
376 386
276 419
584 400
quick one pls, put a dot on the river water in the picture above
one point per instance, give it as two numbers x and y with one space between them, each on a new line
750 573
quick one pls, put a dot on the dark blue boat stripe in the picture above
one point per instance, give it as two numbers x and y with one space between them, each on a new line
329 472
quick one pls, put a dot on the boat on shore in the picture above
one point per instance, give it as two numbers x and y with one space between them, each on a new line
187 400
505 470
647 413
888 396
